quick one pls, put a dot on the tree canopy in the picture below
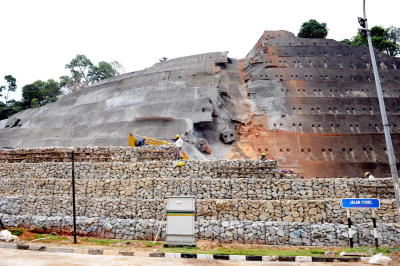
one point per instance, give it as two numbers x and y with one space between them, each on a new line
384 40
40 93
11 86
82 73
313 29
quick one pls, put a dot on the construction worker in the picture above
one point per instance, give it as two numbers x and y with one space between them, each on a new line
140 142
179 145
369 176
263 157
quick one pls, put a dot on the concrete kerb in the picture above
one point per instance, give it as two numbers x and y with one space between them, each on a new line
183 255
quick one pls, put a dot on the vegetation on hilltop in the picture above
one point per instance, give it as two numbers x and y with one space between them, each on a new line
82 74
313 29
384 40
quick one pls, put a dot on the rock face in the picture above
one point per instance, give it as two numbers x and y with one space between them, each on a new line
310 104
316 105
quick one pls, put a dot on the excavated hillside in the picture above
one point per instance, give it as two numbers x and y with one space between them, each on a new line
310 104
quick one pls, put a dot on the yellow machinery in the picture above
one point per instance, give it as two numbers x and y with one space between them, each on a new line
132 139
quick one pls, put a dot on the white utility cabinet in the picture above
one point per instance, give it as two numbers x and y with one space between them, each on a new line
181 212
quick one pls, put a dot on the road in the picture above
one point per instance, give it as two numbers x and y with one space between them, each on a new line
14 257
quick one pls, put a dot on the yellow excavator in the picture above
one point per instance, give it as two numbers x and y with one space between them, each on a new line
133 141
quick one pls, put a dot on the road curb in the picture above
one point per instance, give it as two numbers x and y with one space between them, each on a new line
256 258
97 252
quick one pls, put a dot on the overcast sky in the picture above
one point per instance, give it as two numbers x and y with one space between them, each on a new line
39 37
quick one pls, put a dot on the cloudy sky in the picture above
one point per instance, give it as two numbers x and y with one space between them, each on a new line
39 37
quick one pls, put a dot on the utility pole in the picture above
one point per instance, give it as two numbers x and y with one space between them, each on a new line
386 127
73 195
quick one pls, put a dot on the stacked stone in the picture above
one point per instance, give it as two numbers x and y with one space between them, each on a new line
270 233
246 201
91 154
313 211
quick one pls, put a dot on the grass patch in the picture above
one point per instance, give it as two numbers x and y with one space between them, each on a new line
50 237
110 242
370 250
16 231
278 252
101 241
255 252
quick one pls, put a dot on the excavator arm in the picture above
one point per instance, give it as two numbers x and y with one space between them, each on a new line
132 140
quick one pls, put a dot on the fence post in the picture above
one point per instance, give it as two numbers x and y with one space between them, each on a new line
73 195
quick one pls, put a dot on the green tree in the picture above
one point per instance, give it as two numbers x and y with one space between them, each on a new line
163 59
11 86
313 29
40 93
80 67
102 71
10 108
85 73
384 40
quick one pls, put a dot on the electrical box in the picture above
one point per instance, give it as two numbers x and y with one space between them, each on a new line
180 221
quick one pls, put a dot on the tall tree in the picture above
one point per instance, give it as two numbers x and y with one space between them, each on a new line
80 67
313 29
85 73
11 86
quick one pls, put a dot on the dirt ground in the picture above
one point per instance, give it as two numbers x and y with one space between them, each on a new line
395 256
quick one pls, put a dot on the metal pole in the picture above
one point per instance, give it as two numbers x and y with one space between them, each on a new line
350 230
386 126
73 196
375 230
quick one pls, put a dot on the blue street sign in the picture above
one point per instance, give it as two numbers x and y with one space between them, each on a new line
361 203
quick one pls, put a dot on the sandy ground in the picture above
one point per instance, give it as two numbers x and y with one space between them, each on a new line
14 257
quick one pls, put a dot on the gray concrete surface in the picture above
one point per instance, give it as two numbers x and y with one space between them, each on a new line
12 257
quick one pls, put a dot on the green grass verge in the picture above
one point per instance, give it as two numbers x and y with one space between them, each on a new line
255 252
276 252
108 242
16 231
50 237
371 250
96 241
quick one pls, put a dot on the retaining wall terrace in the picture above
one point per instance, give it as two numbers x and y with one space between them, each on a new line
314 211
124 196
92 154
260 232
204 179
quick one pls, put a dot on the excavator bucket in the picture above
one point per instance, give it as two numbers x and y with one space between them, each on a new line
185 156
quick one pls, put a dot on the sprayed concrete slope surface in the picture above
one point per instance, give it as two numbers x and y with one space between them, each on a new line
310 104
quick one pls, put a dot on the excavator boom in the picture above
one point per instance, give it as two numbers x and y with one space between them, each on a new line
132 140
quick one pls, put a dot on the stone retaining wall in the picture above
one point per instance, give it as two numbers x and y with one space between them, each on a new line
148 169
92 154
121 194
270 233
155 180
314 211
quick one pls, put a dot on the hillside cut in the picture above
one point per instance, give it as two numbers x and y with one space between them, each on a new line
310 104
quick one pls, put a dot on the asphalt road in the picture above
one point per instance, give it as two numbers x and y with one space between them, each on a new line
14 257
